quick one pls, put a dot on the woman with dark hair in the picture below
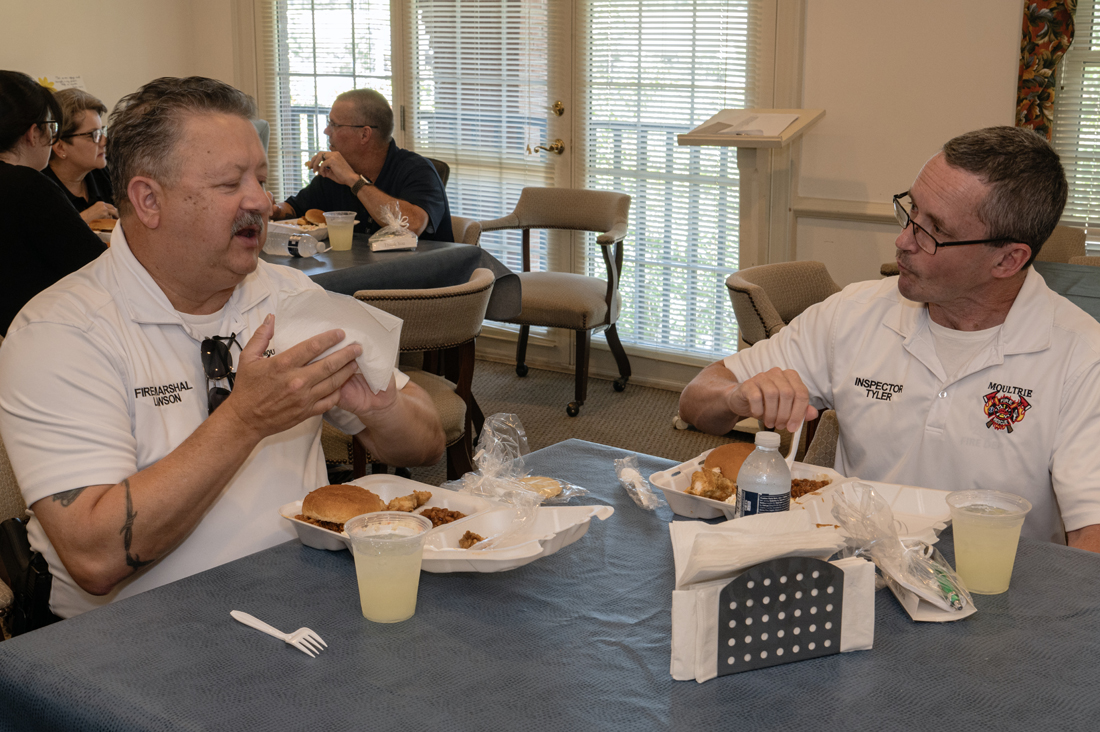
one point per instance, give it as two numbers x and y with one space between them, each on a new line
79 159
44 237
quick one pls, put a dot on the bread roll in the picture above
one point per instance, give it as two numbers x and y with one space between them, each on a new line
335 504
728 458
315 216
102 224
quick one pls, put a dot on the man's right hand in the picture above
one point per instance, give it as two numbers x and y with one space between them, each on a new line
273 394
775 397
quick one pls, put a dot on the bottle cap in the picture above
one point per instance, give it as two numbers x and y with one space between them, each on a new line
767 439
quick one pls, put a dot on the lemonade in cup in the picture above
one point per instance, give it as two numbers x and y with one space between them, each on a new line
986 525
341 226
387 547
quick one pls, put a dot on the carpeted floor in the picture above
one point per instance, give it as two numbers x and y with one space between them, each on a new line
638 419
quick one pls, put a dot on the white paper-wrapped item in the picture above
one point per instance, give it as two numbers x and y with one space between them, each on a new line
310 312
756 592
395 232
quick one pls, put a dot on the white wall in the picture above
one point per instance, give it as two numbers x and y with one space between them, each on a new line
118 45
897 80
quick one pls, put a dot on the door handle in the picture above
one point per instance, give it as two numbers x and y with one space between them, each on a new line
557 147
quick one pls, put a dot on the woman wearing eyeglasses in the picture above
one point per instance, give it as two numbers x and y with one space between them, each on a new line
79 159
44 237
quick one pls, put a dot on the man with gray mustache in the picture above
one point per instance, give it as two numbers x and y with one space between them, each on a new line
154 429
966 371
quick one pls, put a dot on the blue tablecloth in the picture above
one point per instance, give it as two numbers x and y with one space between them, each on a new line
575 641
431 264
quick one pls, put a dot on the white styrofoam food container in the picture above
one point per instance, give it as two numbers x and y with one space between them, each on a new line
675 481
919 513
317 231
386 487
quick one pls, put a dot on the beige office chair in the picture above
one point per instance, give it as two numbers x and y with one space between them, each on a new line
563 299
768 297
442 168
466 231
445 320
1066 244
822 448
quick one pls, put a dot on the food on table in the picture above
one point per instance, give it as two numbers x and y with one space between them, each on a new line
548 487
102 224
439 515
411 502
469 539
313 216
331 505
803 486
718 478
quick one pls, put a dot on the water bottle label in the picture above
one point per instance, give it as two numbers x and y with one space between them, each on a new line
292 246
753 503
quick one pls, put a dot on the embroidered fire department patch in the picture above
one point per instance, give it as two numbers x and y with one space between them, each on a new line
1004 410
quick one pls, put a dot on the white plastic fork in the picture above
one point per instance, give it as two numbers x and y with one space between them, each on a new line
304 639
795 437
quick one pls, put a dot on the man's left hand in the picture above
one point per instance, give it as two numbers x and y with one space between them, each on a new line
357 398
332 165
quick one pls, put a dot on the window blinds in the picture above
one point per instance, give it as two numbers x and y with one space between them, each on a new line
324 47
654 69
1076 129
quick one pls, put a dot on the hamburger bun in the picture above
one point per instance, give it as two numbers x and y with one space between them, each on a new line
315 216
331 505
728 458
102 224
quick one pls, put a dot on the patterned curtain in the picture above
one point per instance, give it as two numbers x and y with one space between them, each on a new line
1048 31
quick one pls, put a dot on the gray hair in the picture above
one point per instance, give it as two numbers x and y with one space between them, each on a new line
1028 186
74 103
146 127
373 110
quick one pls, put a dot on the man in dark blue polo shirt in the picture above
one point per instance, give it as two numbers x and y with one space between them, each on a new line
365 170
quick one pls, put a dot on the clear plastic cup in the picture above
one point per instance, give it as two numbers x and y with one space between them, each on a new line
341 226
388 547
986 525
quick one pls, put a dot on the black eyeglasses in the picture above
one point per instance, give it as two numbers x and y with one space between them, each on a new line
333 124
96 135
217 362
926 241
51 127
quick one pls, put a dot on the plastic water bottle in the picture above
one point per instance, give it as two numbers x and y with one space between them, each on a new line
764 481
293 245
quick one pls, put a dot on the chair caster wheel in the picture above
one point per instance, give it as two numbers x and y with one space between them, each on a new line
620 384
573 409
521 369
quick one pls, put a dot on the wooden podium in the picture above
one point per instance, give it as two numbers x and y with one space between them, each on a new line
765 223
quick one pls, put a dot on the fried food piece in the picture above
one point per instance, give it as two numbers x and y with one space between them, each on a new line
439 515
803 486
469 539
409 503
548 487
712 484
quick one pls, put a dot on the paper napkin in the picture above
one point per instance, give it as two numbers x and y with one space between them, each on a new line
310 312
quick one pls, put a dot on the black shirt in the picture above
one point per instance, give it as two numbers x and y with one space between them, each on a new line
98 183
405 175
44 238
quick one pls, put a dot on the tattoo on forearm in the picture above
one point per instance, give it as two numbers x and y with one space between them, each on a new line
127 532
66 498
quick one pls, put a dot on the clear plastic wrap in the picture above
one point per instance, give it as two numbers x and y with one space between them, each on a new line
502 476
395 232
638 487
918 567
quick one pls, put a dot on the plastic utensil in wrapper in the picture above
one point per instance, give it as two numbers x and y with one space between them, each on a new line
917 567
638 487
395 232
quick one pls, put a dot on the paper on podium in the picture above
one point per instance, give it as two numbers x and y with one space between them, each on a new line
740 122
308 313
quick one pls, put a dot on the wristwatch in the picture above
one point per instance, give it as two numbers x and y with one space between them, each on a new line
358 185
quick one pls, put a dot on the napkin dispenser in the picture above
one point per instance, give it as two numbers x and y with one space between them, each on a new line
779 611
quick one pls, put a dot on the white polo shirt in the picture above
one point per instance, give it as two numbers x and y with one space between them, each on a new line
100 378
1023 416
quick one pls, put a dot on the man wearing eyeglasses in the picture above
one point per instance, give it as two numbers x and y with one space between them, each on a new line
154 422
365 171
966 371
